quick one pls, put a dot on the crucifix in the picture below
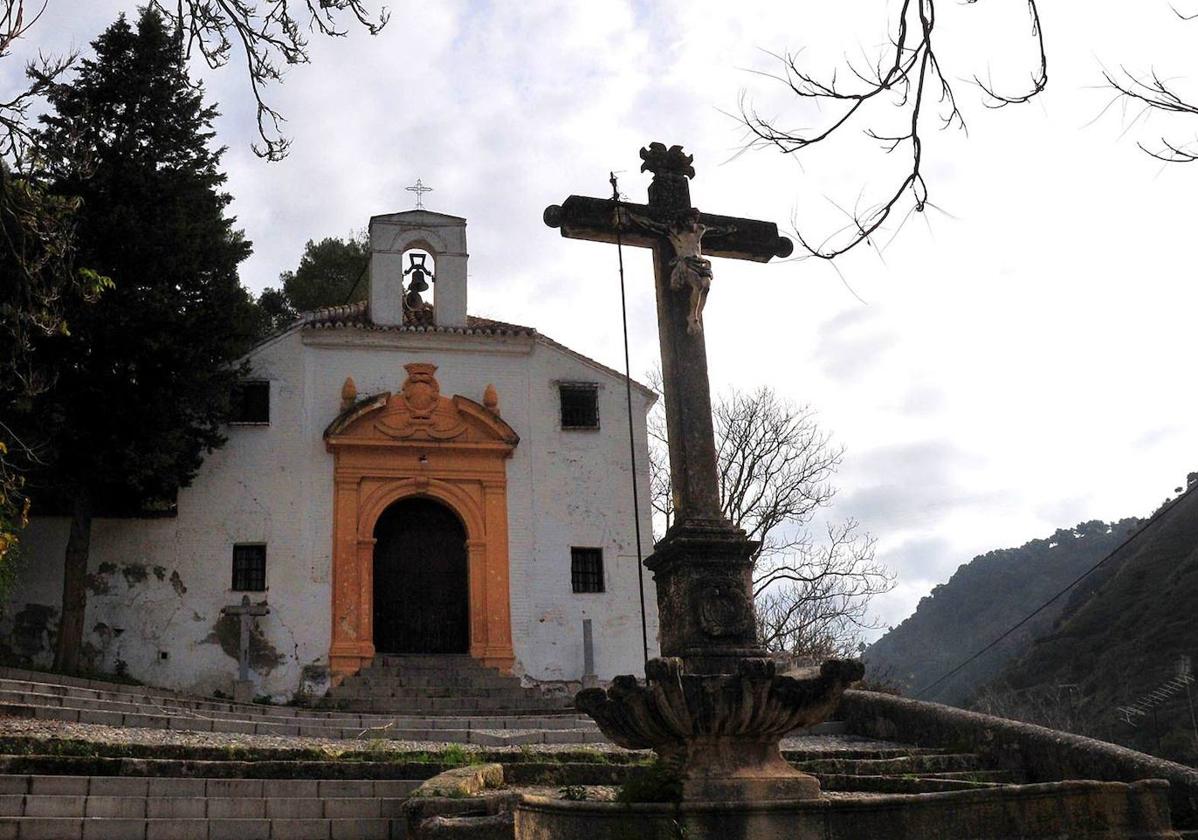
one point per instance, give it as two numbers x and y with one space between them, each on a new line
246 613
713 706
702 566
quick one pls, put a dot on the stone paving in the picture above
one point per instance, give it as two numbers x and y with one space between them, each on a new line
31 695
49 730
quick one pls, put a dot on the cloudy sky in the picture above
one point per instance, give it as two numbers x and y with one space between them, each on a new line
1011 362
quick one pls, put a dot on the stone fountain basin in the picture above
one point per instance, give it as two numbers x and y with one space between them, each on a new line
1088 810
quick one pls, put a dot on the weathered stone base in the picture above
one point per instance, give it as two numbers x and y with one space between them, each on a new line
243 691
750 789
730 769
1079 810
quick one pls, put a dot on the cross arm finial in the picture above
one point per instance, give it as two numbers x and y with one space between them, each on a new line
662 161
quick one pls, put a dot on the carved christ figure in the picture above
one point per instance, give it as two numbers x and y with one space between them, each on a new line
689 267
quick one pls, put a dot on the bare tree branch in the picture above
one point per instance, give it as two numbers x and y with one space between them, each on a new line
270 37
908 78
1153 93
15 129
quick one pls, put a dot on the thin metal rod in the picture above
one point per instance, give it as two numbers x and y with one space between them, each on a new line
636 500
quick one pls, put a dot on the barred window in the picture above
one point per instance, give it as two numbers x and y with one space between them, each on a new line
249 567
251 402
580 405
586 569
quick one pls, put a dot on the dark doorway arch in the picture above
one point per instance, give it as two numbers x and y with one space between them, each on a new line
421 586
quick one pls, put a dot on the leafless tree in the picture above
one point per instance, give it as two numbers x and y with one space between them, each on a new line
775 466
907 77
813 602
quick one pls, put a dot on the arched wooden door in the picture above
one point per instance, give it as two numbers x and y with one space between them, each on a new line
421 585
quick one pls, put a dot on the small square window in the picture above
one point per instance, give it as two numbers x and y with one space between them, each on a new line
249 567
586 569
580 406
250 402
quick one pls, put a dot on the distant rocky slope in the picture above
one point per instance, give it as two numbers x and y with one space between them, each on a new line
1122 643
983 599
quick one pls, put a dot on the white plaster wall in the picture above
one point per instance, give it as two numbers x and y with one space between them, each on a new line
158 584
582 496
564 487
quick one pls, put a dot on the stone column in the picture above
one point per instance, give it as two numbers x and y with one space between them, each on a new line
498 652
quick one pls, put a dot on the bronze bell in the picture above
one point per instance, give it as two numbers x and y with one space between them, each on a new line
420 273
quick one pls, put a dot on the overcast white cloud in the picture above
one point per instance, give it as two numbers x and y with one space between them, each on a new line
1012 364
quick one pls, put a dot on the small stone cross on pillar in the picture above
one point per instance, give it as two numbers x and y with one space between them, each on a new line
246 613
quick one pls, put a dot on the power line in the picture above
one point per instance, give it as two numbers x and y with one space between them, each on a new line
923 691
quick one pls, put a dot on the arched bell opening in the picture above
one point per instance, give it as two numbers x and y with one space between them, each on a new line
419 281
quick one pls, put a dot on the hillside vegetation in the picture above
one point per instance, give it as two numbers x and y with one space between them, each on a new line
983 599
1120 643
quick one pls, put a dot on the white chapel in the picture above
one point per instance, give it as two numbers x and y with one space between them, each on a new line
403 478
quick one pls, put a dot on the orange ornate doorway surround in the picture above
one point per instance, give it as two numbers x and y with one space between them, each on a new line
388 447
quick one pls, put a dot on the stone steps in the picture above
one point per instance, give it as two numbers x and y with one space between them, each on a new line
898 784
44 693
905 771
438 684
37 696
498 737
197 768
126 808
95 828
455 706
906 764
137 707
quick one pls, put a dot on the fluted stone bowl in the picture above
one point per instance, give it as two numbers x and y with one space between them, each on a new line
720 732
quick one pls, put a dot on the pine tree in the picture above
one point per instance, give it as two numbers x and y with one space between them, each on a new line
144 378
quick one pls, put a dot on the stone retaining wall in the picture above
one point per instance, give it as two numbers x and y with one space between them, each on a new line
1086 810
1043 755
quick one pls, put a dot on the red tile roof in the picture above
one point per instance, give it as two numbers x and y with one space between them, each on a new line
357 315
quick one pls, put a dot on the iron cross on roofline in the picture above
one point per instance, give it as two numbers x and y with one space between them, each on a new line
681 238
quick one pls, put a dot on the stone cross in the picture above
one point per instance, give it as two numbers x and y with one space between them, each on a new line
660 225
703 565
246 612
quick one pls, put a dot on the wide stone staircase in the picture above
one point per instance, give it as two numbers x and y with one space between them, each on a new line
125 808
143 794
32 694
439 685
138 783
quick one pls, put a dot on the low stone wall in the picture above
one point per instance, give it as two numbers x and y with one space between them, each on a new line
1079 810
1043 755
